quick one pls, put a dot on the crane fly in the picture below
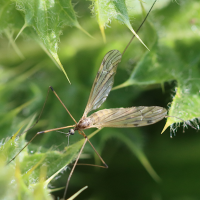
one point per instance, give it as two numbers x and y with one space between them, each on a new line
114 117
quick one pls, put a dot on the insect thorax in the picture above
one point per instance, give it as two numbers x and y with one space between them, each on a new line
84 123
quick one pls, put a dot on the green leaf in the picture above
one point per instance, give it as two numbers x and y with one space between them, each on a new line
163 64
10 18
34 172
176 47
132 141
77 193
185 104
169 61
48 19
106 10
11 177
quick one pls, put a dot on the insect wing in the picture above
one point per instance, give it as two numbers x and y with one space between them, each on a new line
127 117
104 81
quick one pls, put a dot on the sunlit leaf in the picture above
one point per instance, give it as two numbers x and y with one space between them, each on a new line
169 61
37 170
48 19
107 10
10 18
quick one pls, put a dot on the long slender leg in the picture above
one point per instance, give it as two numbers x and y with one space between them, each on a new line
22 148
39 114
69 177
139 27
62 103
50 87
55 129
85 136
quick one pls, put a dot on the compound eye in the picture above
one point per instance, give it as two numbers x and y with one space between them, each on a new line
71 131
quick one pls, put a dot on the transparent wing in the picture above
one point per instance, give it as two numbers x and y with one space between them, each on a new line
127 117
104 81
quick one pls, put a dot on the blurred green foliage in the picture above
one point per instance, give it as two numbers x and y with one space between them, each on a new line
26 72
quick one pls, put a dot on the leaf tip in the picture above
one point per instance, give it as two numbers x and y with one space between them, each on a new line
77 193
137 36
59 65
125 84
84 31
168 123
23 27
103 33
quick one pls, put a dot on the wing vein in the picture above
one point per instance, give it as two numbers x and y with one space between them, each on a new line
127 117
104 81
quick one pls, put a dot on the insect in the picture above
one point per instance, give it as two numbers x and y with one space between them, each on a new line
116 117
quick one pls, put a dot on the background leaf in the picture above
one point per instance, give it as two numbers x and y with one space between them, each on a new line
48 18
170 61
106 10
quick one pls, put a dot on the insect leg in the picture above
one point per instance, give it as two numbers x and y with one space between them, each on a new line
55 129
62 103
39 115
67 184
139 26
105 165
76 162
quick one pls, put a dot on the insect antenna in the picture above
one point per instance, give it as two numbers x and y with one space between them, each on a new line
139 27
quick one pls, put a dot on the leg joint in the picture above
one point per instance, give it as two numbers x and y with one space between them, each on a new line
51 88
